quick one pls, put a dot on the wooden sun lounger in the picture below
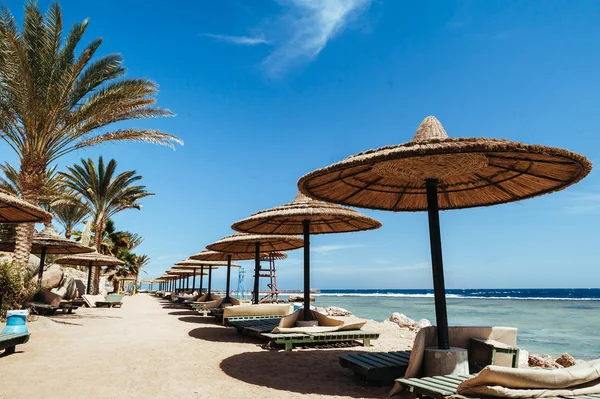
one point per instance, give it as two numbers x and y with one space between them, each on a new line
8 342
111 301
42 309
445 387
254 325
228 320
380 368
321 338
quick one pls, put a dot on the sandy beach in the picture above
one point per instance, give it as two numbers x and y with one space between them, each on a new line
153 349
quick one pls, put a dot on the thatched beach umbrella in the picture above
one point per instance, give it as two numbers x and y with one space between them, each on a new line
15 210
434 172
217 256
45 242
92 259
306 216
180 275
255 243
196 264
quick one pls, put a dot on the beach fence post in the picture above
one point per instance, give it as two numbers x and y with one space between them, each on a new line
437 266
228 278
306 231
256 270
87 289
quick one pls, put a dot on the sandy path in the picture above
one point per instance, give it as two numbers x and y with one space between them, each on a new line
153 349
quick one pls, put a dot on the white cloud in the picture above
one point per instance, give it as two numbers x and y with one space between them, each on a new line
326 249
240 40
301 32
308 26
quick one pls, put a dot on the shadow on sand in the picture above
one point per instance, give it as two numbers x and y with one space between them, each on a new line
198 320
223 334
291 371
184 313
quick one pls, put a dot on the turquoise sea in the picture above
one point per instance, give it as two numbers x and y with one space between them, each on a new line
549 321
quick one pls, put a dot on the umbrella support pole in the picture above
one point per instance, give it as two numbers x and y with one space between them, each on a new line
208 298
42 262
437 264
201 278
256 272
306 230
87 289
227 300
194 281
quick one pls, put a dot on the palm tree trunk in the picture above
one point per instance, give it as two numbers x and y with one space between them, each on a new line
31 179
98 232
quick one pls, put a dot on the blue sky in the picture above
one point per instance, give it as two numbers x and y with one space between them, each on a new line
265 91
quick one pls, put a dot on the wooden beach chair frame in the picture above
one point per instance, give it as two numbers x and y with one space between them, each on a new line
289 340
379 368
8 342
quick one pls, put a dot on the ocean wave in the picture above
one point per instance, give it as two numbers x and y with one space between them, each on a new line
451 296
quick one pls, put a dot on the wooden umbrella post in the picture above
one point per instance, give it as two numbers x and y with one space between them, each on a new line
41 271
227 300
256 271
87 289
306 230
201 278
208 298
437 264
194 281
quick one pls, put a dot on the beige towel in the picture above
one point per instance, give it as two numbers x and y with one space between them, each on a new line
326 324
506 382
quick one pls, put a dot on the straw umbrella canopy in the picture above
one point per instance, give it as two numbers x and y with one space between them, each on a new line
306 216
207 255
15 210
197 264
180 274
92 259
434 172
242 243
47 241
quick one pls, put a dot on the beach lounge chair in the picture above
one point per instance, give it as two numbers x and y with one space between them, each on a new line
261 311
579 381
8 342
384 368
42 309
328 330
111 301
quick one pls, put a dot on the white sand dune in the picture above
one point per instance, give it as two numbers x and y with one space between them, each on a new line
152 349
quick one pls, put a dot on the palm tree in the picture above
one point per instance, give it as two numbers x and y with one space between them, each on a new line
104 194
50 190
54 100
69 215
140 261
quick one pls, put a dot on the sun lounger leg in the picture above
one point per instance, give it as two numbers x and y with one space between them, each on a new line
367 342
10 350
288 346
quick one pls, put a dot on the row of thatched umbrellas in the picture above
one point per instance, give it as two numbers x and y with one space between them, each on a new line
430 173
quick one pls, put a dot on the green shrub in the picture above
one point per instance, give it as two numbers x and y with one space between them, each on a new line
13 293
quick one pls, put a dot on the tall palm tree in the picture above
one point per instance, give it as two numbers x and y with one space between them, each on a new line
54 100
51 188
104 193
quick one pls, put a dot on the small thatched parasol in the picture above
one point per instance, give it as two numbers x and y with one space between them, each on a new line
306 216
241 243
434 172
92 259
199 264
47 241
15 210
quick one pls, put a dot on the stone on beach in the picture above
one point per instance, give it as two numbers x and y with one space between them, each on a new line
403 321
333 311
566 360
53 275
543 361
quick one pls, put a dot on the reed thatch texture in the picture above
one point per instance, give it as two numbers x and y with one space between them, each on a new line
323 217
92 258
246 243
471 172
15 210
